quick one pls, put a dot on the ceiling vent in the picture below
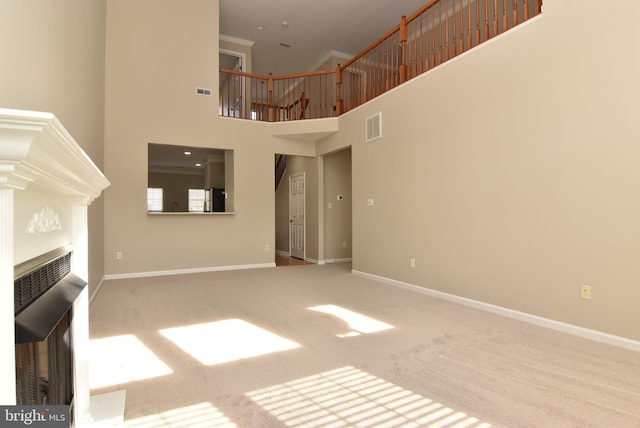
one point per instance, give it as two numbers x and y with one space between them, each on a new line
374 127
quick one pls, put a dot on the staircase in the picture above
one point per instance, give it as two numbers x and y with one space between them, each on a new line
281 166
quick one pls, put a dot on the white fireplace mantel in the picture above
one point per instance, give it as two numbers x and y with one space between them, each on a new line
36 148
44 173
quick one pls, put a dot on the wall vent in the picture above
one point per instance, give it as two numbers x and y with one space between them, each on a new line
203 91
374 127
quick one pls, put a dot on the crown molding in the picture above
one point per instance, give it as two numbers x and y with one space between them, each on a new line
331 54
237 40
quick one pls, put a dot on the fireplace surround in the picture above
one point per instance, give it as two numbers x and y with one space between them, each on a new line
46 184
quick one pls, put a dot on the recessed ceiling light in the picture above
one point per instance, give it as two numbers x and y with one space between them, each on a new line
187 153
284 24
260 27
198 164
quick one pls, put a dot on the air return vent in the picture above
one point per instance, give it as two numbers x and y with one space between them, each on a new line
203 91
374 127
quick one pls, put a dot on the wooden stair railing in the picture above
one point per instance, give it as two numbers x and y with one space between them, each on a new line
299 106
281 166
434 34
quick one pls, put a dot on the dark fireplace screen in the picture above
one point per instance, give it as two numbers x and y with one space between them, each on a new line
44 369
44 292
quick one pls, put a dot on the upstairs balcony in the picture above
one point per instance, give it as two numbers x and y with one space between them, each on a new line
434 34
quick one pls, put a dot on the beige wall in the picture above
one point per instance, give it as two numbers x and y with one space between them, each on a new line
154 64
53 60
509 174
512 178
337 213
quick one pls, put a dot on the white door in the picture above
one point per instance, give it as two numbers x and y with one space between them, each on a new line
296 216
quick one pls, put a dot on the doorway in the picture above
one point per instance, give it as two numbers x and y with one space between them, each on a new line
231 60
297 238
234 84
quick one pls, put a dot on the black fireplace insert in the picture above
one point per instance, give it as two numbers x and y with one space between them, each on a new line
44 292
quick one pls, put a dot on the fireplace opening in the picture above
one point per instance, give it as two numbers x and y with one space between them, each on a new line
44 292
44 373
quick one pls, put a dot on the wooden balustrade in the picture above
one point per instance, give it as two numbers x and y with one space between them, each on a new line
375 70
277 98
243 95
437 32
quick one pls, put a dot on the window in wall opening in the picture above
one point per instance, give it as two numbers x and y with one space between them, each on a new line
154 199
196 200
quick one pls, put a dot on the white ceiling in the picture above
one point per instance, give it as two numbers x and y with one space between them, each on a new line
173 159
315 28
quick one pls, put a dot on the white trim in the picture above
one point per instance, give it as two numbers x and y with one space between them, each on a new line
7 320
96 291
236 40
343 260
186 271
575 330
282 253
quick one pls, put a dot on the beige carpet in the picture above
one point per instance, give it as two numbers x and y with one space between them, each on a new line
314 345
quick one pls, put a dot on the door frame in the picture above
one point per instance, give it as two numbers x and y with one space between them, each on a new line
304 213
243 68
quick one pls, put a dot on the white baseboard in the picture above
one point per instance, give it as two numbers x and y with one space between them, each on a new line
522 316
345 260
282 253
186 271
95 292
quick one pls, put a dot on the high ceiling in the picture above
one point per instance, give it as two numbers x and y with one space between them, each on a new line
312 28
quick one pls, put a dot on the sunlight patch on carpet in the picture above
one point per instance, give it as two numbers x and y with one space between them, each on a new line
226 340
357 322
121 359
201 415
348 397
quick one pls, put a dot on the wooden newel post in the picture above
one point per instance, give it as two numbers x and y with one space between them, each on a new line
338 90
403 40
271 113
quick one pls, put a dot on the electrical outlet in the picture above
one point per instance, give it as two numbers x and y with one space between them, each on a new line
118 255
412 262
344 244
266 247
585 292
